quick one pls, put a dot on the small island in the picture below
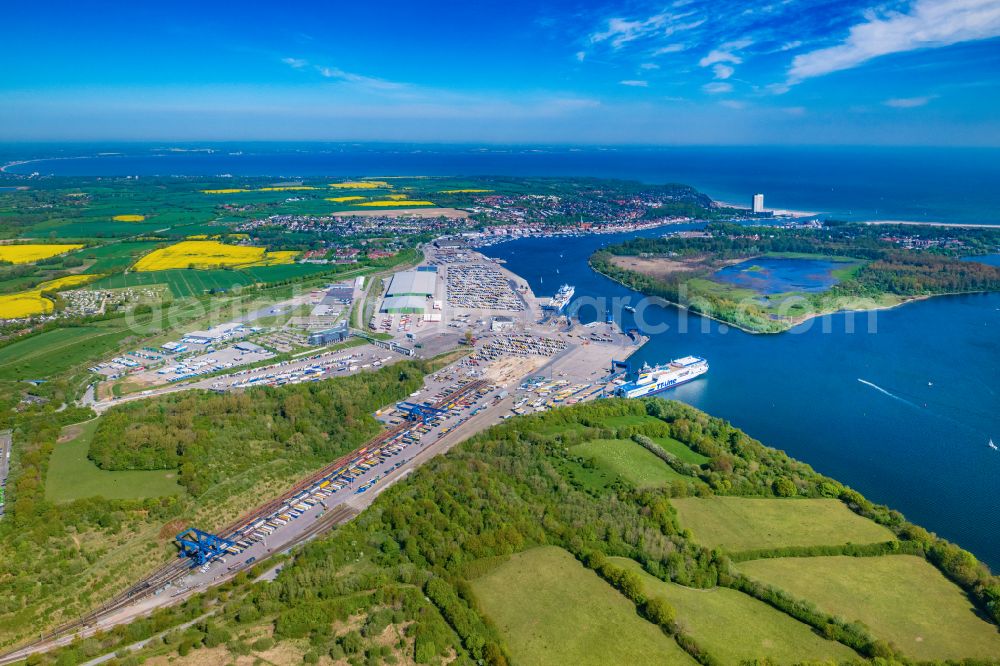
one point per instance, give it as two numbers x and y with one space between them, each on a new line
770 279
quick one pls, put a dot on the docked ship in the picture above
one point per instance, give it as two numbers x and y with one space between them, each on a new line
562 298
662 377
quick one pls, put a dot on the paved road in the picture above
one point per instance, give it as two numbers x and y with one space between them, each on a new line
5 444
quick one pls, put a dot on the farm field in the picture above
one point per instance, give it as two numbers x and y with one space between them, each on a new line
208 255
72 475
743 523
24 304
551 610
52 352
187 282
115 256
625 459
734 627
26 253
902 598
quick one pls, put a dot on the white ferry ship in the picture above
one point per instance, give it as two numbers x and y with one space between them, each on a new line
663 377
562 298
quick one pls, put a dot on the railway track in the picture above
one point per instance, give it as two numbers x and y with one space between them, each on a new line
177 569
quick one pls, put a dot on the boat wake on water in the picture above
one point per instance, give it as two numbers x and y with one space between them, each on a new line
926 409
888 393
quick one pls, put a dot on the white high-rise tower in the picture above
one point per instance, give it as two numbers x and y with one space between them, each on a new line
758 203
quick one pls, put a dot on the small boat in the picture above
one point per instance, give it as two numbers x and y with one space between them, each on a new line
992 445
628 308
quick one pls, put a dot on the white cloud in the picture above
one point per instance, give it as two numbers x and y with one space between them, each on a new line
635 83
908 102
295 63
717 87
622 31
725 53
649 65
581 55
733 104
669 48
722 71
927 24
789 46
365 81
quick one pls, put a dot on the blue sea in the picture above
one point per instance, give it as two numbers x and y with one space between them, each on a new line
900 407
899 404
858 183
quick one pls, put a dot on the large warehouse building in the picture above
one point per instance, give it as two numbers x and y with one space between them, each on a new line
408 292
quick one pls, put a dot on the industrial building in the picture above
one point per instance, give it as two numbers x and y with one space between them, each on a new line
408 292
336 334
412 283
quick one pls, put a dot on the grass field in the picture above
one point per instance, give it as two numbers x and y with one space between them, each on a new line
72 475
115 256
551 610
626 459
742 523
902 599
734 627
52 352
671 445
208 255
186 282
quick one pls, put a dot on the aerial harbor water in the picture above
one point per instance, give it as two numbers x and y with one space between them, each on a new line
903 415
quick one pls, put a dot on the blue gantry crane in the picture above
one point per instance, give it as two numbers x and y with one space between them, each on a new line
201 547
421 412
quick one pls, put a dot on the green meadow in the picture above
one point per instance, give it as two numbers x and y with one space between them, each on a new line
735 628
747 523
551 611
902 598
72 475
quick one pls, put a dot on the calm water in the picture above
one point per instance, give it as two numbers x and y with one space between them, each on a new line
924 184
916 440
768 275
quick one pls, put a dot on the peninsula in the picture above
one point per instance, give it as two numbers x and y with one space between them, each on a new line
770 279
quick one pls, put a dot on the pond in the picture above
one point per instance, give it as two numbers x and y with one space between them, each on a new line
780 275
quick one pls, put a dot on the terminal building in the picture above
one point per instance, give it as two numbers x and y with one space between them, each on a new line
336 334
408 292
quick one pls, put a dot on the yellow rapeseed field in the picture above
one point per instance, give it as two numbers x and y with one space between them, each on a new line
343 199
129 218
233 190
464 191
24 304
68 281
25 254
395 197
209 254
31 303
395 202
362 185
288 188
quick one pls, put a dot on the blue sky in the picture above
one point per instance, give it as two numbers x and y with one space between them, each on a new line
923 72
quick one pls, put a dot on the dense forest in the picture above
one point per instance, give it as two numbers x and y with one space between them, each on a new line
408 561
212 437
